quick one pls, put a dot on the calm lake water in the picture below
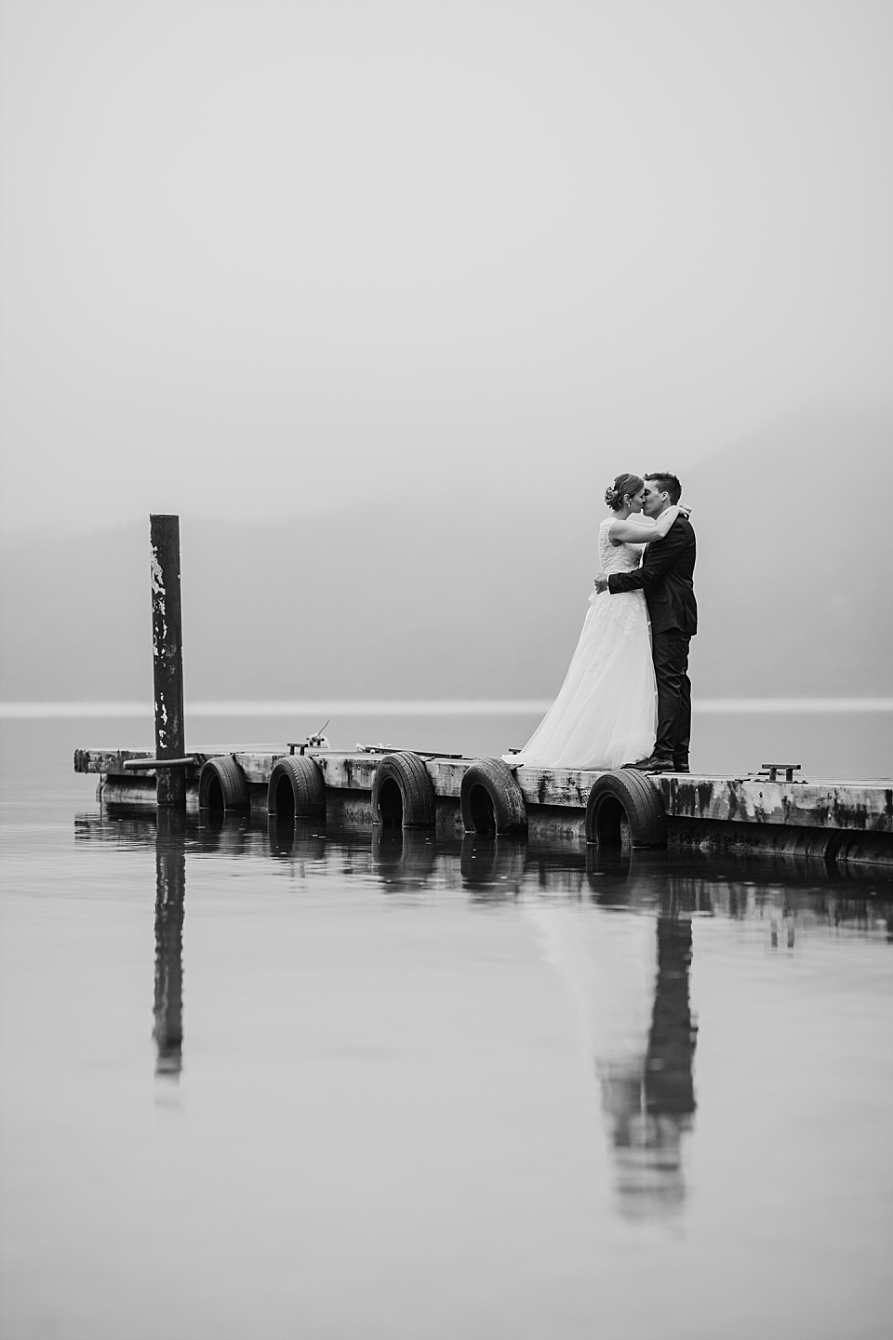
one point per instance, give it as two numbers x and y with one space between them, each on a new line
267 1083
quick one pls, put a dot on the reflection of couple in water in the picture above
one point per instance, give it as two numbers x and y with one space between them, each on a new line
626 698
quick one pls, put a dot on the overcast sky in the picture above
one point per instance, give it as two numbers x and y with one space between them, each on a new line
262 255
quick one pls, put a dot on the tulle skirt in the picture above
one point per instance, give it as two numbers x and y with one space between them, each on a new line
606 712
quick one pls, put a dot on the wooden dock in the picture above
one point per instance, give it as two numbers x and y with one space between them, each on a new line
836 821
842 823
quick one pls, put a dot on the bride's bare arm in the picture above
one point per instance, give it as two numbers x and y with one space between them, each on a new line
636 532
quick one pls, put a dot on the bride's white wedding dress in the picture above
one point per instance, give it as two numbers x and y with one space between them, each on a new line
606 712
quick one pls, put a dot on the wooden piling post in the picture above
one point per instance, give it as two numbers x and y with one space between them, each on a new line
167 654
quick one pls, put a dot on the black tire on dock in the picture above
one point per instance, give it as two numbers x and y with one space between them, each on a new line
491 799
222 786
403 793
297 789
626 796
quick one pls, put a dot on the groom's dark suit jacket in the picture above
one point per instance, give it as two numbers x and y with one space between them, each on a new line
666 578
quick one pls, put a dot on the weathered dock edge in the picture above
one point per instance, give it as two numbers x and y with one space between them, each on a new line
846 821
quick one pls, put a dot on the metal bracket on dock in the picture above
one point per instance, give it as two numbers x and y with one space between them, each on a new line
789 769
317 741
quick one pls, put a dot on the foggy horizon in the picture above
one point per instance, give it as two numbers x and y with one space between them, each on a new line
265 260
584 501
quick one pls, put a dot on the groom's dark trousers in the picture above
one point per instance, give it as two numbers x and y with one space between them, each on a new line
666 578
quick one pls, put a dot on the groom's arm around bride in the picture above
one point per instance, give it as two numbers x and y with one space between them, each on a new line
666 579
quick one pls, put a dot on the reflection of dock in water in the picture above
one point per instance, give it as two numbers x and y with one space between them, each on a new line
618 925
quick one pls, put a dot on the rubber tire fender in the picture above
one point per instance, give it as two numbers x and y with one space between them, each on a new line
507 807
225 772
640 801
308 788
417 801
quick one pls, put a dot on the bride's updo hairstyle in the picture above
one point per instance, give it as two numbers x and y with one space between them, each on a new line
623 486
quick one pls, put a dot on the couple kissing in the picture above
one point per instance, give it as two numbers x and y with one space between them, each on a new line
626 698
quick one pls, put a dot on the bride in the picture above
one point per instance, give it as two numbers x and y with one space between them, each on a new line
605 714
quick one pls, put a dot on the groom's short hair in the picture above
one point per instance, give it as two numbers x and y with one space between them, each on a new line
666 483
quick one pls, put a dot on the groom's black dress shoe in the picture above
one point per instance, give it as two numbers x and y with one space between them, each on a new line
654 764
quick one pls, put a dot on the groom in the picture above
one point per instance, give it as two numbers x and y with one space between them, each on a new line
666 578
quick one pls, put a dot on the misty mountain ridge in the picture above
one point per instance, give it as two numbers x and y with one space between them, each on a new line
479 592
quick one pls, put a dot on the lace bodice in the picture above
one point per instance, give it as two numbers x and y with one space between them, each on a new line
617 557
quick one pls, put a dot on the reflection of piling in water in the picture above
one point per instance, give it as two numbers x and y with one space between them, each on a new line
170 906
